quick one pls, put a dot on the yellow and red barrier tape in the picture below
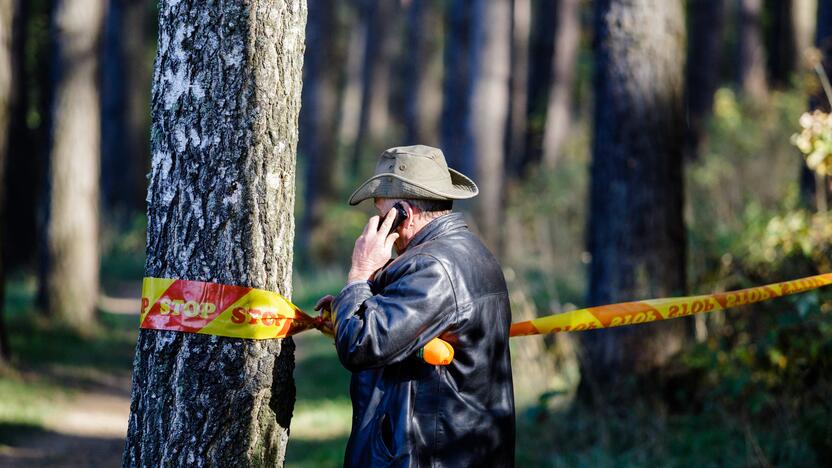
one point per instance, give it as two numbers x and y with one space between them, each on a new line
241 312
631 313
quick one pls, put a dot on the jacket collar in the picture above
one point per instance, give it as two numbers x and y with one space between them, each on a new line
438 227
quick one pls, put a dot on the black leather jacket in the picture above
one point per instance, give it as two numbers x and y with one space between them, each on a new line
407 412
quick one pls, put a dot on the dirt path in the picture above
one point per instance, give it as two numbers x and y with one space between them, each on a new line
87 431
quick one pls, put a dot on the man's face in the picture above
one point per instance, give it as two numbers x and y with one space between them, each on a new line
383 206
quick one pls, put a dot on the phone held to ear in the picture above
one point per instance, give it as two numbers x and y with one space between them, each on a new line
401 215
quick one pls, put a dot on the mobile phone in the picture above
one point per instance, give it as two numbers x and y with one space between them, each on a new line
401 215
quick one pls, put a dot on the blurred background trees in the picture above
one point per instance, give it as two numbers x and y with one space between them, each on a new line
624 150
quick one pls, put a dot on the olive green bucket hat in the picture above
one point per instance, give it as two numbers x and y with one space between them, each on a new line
415 172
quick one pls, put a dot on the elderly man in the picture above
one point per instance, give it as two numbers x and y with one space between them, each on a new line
443 283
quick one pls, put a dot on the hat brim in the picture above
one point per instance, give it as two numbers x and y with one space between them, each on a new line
390 185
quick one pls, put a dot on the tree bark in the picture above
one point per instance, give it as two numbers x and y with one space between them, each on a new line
323 63
488 115
7 19
71 261
707 20
636 229
752 61
226 98
423 73
559 111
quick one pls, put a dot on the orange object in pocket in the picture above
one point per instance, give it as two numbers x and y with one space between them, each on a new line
437 352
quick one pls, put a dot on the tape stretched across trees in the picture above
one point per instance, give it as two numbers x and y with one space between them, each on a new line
240 312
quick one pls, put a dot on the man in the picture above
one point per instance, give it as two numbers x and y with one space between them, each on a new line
443 283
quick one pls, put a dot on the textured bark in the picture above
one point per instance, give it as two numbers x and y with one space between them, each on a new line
488 116
7 17
559 111
423 73
707 20
636 230
226 97
71 261
752 62
323 62
521 25
124 95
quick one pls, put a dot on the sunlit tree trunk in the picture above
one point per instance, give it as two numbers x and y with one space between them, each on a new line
226 98
488 115
636 229
71 260
752 60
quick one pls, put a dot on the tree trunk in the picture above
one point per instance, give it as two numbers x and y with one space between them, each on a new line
752 67
323 63
488 116
7 19
707 19
423 73
379 50
636 230
559 111
224 133
541 54
71 261
456 88
125 93
521 19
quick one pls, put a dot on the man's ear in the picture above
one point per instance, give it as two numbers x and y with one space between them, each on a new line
410 213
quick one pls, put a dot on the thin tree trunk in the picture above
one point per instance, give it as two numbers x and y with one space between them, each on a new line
456 89
559 112
707 20
636 230
488 115
541 55
374 121
322 67
125 93
423 73
752 61
71 262
521 19
225 108
7 78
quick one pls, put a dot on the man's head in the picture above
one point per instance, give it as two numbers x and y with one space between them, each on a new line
419 178
419 214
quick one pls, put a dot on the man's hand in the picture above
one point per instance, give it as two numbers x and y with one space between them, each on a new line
372 248
325 306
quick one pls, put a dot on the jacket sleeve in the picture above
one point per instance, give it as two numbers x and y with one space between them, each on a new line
378 330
